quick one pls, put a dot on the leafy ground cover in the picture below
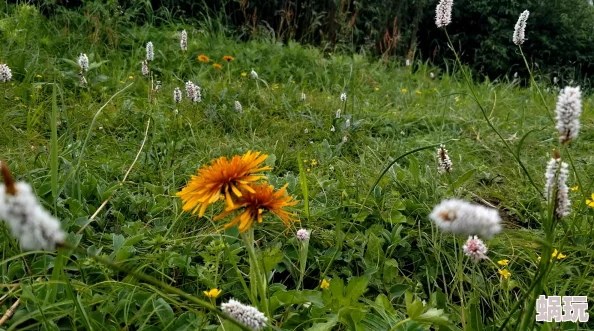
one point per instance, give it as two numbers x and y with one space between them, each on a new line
107 158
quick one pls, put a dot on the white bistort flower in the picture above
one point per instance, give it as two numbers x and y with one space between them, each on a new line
432 75
443 160
150 53
244 314
158 86
555 175
302 96
29 222
347 124
5 73
183 43
254 74
83 62
569 110
303 235
443 13
475 249
463 218
238 107
332 129
338 113
177 95
145 68
520 28
191 91
343 97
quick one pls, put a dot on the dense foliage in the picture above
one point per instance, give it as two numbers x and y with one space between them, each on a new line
560 33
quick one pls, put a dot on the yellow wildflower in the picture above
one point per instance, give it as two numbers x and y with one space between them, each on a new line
218 66
308 169
418 92
314 163
244 74
228 58
38 86
558 255
503 262
122 82
505 273
38 76
377 89
575 188
589 202
213 293
203 58
403 90
131 77
457 99
325 284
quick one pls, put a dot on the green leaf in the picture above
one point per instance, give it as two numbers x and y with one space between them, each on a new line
325 326
294 297
461 180
356 287
413 308
434 316
272 255
163 311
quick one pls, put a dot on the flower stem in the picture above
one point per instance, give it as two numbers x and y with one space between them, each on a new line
248 238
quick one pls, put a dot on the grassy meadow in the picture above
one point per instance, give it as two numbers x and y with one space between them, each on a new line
107 159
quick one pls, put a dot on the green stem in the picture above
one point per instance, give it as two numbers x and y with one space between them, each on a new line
248 238
536 85
400 323
469 83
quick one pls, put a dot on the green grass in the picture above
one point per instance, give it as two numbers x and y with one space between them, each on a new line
371 236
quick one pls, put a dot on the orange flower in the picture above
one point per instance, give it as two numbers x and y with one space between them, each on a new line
258 198
228 58
222 177
203 58
218 66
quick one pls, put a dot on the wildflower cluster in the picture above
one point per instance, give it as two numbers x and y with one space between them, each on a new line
236 182
83 63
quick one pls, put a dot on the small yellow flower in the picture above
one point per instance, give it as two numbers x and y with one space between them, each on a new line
213 293
244 74
131 77
293 81
314 163
457 99
218 66
304 161
377 88
403 90
325 284
575 188
17 98
308 169
38 76
561 256
589 202
228 58
275 87
505 273
503 262
555 252
203 58
418 92
38 86
538 259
